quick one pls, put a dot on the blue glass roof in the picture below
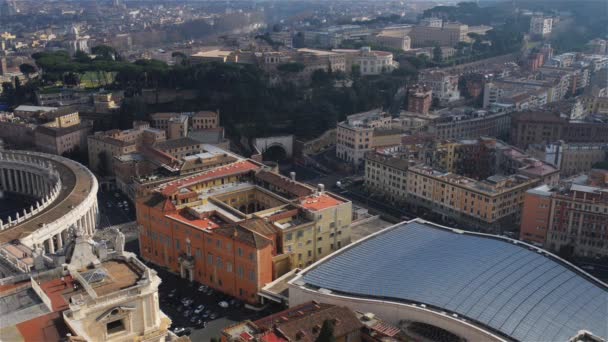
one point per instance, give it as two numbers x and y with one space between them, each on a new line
514 290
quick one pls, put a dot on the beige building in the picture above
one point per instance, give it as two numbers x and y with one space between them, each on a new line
369 62
492 203
444 85
205 120
116 143
174 124
394 39
356 135
314 59
448 35
64 133
570 158
386 174
102 309
222 56
180 147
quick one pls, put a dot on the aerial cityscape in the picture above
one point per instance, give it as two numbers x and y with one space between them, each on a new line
304 170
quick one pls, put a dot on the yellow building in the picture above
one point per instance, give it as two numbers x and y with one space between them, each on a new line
486 203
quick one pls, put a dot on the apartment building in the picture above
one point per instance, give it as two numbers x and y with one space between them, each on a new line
239 226
319 60
394 39
419 99
180 148
491 204
386 173
570 158
571 218
534 127
441 175
369 62
114 143
541 26
467 123
174 124
355 136
443 85
62 133
205 120
447 35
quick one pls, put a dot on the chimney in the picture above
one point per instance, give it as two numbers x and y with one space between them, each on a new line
321 188
292 175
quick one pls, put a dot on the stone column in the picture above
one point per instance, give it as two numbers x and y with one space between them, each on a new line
65 236
9 174
3 179
51 245
21 182
59 240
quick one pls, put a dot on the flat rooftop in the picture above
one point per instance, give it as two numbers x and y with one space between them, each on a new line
112 276
320 202
503 285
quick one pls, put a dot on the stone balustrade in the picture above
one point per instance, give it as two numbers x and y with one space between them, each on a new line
66 197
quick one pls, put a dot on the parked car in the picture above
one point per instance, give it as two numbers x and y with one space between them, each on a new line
202 288
213 316
179 331
199 309
187 301
200 324
223 304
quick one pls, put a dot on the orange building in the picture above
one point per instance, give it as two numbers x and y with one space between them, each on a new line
229 257
535 215
237 227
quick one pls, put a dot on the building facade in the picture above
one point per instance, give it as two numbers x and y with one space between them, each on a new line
545 127
443 85
571 219
570 158
239 226
541 26
369 62
355 136
419 99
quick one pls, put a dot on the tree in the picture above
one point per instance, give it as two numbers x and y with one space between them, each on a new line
71 79
82 57
105 52
437 54
27 69
291 67
327 332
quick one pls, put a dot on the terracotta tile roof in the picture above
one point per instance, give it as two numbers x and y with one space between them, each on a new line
304 322
243 235
200 223
294 188
49 327
157 200
320 202
260 226
55 290
223 171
